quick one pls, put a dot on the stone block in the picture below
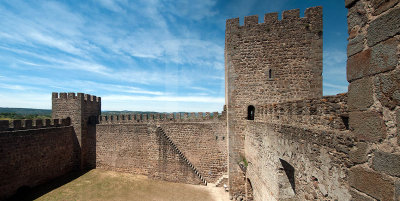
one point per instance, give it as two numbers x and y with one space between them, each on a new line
355 45
384 27
357 15
358 154
388 89
380 58
381 6
387 163
360 96
372 183
368 126
358 65
357 196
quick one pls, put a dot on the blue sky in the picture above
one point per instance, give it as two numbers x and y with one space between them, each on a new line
144 55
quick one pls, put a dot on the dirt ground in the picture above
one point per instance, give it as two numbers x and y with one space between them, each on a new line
100 185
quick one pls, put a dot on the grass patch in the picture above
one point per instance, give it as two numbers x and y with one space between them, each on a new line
107 185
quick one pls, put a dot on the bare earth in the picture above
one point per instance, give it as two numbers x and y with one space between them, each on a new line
108 185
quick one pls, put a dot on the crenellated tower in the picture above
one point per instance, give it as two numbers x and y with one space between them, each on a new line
83 109
269 62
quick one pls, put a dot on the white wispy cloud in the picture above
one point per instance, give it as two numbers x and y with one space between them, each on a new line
202 99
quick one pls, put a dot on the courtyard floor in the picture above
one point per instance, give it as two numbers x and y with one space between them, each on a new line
107 185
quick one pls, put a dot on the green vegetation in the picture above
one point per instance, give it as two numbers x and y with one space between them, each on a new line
13 115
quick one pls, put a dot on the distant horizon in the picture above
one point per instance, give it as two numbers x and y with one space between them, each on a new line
139 56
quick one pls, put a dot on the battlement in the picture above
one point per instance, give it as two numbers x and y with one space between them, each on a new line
328 112
163 117
26 124
74 96
313 14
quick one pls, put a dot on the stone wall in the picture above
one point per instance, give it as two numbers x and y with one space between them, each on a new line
270 62
373 72
32 154
299 150
130 143
287 162
80 107
204 144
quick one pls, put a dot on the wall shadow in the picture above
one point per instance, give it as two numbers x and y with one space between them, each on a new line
289 170
26 193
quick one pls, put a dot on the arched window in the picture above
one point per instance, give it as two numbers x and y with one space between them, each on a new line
270 73
250 112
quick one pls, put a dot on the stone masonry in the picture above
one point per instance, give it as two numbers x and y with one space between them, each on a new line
277 138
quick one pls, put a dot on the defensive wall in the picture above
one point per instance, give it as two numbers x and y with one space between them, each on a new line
35 153
269 62
278 138
129 143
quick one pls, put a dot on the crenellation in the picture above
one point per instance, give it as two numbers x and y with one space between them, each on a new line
250 20
291 14
27 123
63 95
271 18
277 137
71 95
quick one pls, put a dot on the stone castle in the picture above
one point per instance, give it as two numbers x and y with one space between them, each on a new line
277 138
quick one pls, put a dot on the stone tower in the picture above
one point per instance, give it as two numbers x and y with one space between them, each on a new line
83 110
270 62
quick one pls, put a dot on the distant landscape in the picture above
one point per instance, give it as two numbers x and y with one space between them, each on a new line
29 113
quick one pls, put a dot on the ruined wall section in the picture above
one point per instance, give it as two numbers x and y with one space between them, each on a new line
129 143
288 162
373 70
34 153
300 150
328 112
80 107
269 62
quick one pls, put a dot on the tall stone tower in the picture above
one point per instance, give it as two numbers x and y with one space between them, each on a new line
83 110
270 62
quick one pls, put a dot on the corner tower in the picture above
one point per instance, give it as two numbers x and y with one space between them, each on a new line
269 62
83 110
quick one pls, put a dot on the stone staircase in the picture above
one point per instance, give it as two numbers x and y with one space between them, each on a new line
218 182
161 131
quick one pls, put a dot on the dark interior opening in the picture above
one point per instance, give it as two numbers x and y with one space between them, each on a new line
345 120
250 112
270 73
289 171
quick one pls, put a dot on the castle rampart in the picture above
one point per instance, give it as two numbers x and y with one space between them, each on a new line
34 154
267 63
282 138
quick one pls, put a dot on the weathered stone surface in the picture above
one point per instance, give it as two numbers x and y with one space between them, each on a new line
398 126
388 89
356 16
358 154
372 183
381 6
397 190
357 196
380 58
270 62
368 126
387 163
355 45
384 27
360 94
358 65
